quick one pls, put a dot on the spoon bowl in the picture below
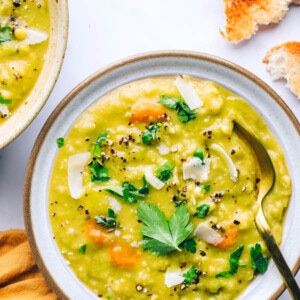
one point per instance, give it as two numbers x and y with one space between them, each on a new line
267 179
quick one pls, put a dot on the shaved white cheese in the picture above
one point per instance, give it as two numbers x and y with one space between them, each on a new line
206 233
154 181
188 93
115 204
173 278
163 149
76 165
4 111
35 36
232 169
196 169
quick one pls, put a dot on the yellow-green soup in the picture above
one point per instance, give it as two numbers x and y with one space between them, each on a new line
150 199
24 34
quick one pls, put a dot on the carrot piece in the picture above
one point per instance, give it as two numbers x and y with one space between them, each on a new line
229 238
123 255
147 111
98 234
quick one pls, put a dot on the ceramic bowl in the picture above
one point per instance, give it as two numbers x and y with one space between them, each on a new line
271 107
25 114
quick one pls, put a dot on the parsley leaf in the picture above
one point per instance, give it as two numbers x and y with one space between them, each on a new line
199 153
5 101
164 236
5 34
99 173
190 245
202 211
107 222
149 135
258 261
164 172
99 142
206 187
60 142
82 249
129 192
185 114
192 275
233 263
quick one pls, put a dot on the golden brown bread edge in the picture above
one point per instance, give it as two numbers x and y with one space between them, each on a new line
243 17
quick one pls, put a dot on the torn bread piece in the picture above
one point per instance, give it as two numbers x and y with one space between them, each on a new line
244 17
283 61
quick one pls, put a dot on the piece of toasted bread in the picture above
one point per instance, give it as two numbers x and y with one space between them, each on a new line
283 61
244 16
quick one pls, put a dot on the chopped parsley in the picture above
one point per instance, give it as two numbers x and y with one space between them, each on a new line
190 245
5 101
199 153
129 192
60 142
99 142
185 114
258 261
82 249
160 235
233 263
149 135
99 172
5 34
192 276
202 211
206 187
164 172
109 221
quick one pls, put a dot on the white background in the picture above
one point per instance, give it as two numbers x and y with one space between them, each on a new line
102 32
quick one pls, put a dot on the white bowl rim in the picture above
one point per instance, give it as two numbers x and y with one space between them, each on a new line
39 243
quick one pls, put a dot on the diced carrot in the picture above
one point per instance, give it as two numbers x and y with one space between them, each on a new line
98 234
123 255
147 111
229 237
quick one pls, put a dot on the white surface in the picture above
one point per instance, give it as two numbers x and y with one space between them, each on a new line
102 32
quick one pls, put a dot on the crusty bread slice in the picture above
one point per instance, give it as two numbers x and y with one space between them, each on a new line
244 16
283 61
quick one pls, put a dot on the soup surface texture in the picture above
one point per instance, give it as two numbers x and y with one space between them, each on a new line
24 32
153 194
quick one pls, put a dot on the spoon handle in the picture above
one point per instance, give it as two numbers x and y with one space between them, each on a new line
277 256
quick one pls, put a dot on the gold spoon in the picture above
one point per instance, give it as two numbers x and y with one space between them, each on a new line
267 178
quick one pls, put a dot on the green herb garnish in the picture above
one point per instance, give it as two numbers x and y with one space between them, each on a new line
99 142
184 113
233 263
206 187
258 261
82 249
164 172
162 236
107 222
149 135
129 192
190 245
60 142
99 172
5 101
199 153
5 34
192 276
202 211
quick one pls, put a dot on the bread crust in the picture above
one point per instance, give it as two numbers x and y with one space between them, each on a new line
244 16
291 64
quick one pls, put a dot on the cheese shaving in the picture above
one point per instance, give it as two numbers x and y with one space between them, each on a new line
196 169
209 235
76 165
188 93
232 169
